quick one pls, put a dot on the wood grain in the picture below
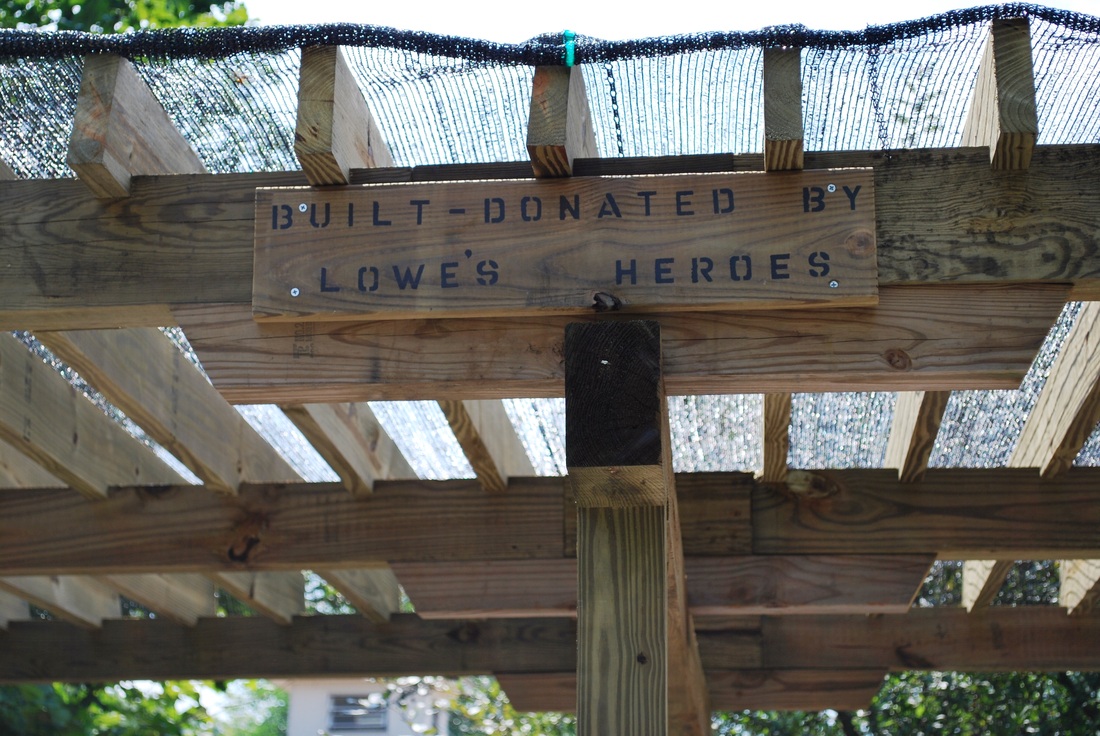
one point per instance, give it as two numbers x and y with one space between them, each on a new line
559 128
141 372
1007 514
352 442
73 261
917 338
1003 114
1080 586
335 132
46 419
777 436
79 601
474 447
19 471
279 596
917 417
121 130
783 135
982 581
1068 407
375 593
182 598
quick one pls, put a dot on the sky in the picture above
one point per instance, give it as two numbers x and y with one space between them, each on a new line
514 21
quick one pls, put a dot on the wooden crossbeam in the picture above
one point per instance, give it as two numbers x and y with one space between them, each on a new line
277 595
121 130
352 442
142 373
559 129
782 87
489 441
1003 113
917 417
982 580
375 593
1068 407
182 598
777 436
335 131
77 600
916 338
1003 639
955 514
104 272
19 471
1080 585
810 690
45 418
638 664
12 608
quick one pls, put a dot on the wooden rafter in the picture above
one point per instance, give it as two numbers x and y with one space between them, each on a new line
182 598
122 280
489 441
1080 588
783 132
121 130
78 600
12 608
917 417
560 124
777 436
982 580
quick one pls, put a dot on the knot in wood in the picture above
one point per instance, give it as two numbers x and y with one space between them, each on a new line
898 359
804 484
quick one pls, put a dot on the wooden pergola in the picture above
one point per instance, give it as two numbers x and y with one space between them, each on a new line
641 598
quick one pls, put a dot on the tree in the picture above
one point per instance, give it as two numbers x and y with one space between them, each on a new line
106 16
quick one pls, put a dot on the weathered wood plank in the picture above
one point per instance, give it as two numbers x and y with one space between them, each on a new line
982 580
121 130
494 427
934 338
182 598
942 215
559 129
1080 588
1007 514
77 600
335 131
917 417
374 592
277 595
469 437
141 372
809 690
1002 113
566 245
777 436
46 419
1068 407
352 442
1000 639
277 527
716 586
783 134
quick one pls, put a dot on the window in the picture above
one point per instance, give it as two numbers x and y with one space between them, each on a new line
357 714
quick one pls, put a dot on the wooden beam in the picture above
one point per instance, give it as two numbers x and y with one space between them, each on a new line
19 471
620 474
46 419
917 417
182 598
1080 586
121 130
982 580
473 446
1002 639
962 514
716 586
79 601
488 440
12 608
335 131
776 434
141 372
375 593
1002 113
352 442
1068 407
103 272
957 514
560 126
916 338
809 690
279 596
782 109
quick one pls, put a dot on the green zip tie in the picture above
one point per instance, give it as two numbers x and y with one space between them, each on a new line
570 46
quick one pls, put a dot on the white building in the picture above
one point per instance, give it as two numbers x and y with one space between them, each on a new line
363 707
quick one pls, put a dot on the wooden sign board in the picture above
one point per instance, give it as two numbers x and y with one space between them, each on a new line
494 248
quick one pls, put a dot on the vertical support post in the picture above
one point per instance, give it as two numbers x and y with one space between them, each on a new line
560 126
783 129
638 667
